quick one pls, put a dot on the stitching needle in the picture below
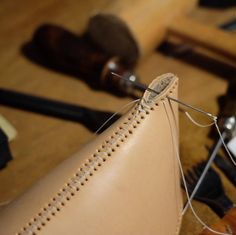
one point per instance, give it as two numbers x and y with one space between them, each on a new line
143 87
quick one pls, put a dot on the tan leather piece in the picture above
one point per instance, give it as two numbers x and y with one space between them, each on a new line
125 181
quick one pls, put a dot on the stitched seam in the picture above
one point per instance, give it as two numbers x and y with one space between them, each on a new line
88 168
178 222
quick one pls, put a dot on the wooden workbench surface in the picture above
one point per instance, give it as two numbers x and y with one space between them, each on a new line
43 142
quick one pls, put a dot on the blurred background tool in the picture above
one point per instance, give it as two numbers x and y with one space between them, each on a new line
229 25
115 40
79 56
226 167
92 119
222 205
211 192
227 111
164 18
174 47
217 3
227 123
5 153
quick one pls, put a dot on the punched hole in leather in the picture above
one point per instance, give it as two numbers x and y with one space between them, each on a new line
125 181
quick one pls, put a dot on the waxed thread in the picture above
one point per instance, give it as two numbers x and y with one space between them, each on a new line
114 114
173 160
175 121
175 173
183 178
197 123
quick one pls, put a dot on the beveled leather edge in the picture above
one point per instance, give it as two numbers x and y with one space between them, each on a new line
163 94
179 222
92 163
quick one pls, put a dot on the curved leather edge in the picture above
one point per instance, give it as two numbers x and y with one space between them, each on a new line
72 165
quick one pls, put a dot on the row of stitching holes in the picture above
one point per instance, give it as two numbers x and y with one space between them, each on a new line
117 145
37 226
95 155
26 233
99 164
100 151
71 193
104 159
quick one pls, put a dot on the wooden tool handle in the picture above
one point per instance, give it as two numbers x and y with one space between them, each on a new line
76 55
144 21
146 24
226 225
205 36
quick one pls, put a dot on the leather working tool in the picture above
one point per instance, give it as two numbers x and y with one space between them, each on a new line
171 48
76 55
108 187
164 18
227 167
130 34
211 192
227 123
90 118
142 87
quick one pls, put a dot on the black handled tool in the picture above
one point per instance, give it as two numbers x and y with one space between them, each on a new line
211 191
92 119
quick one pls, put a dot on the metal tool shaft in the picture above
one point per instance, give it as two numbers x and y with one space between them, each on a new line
211 159
143 87
91 118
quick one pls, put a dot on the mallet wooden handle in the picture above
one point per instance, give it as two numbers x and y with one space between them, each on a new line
205 36
149 22
146 21
225 225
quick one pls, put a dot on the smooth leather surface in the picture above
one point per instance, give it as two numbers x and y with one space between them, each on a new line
125 181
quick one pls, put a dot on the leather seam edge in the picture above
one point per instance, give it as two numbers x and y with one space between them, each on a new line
89 167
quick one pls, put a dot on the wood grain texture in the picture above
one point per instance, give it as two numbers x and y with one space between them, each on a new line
44 142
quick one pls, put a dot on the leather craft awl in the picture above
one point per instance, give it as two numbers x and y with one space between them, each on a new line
125 181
